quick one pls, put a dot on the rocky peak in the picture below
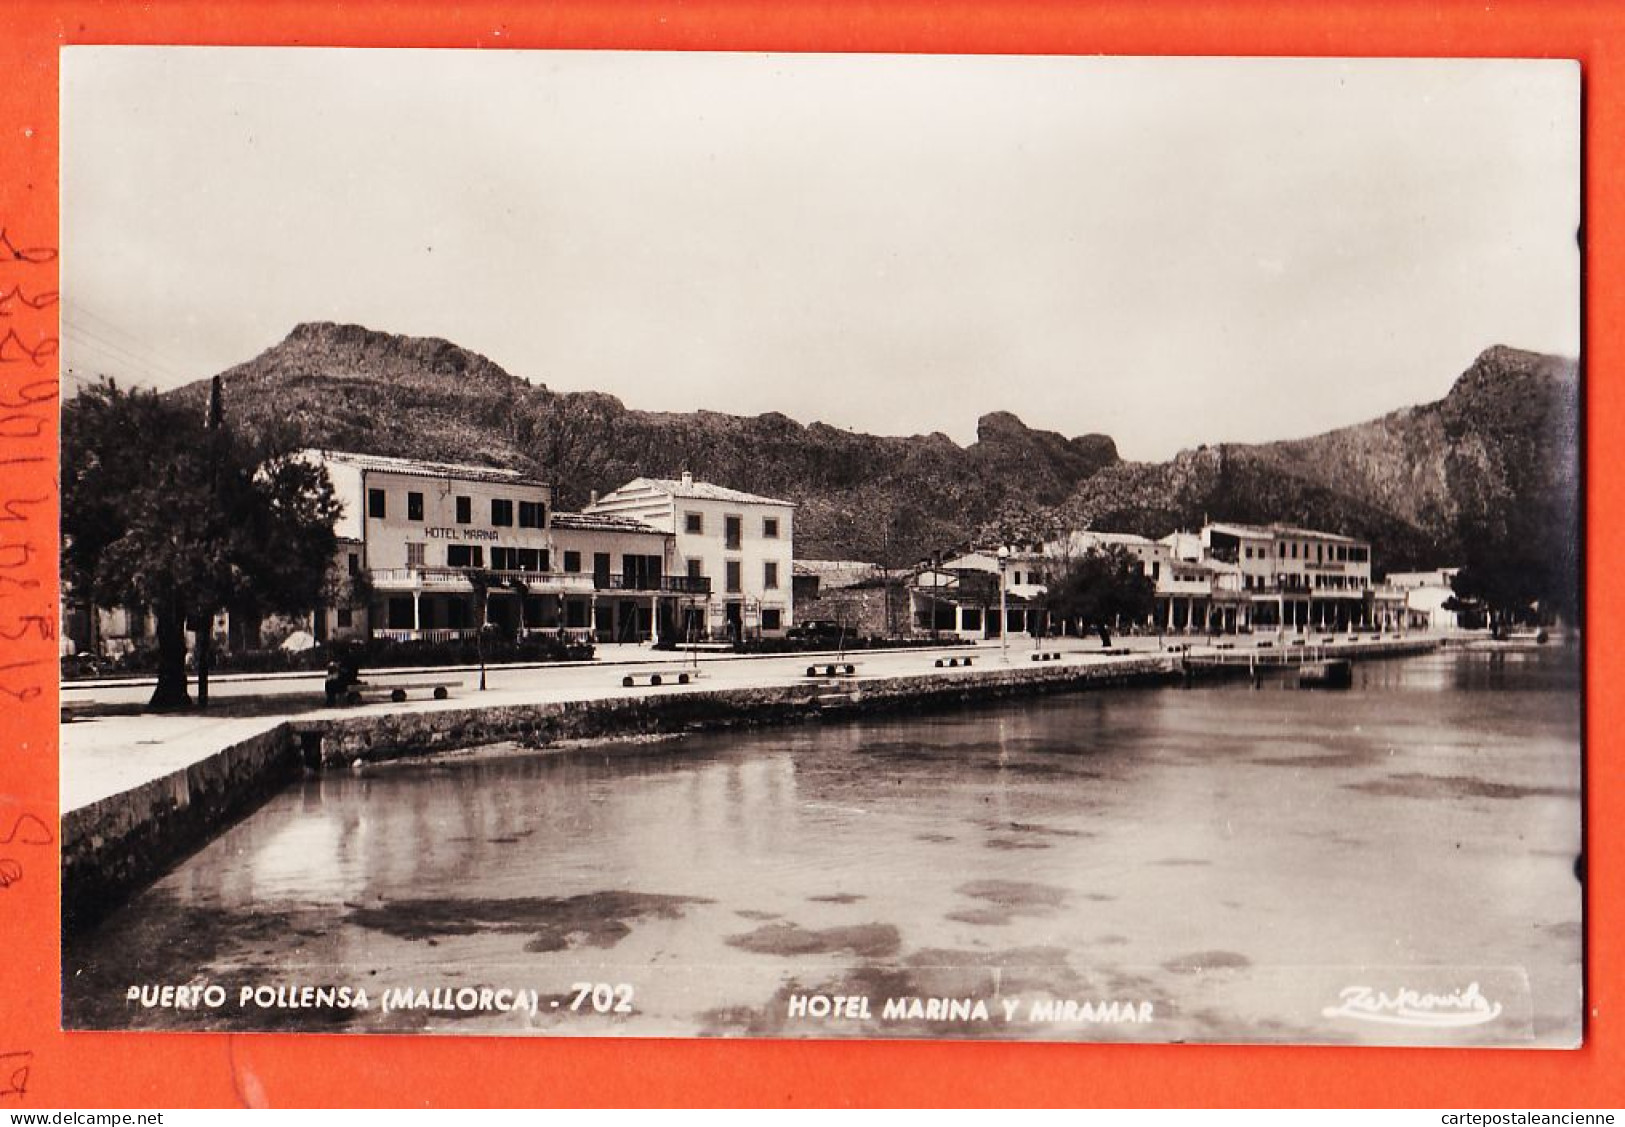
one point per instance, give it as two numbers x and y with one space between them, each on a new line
333 347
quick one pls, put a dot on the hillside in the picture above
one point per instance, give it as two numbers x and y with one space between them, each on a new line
1501 442
1415 481
860 495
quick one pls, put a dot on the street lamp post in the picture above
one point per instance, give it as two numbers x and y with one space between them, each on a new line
1004 610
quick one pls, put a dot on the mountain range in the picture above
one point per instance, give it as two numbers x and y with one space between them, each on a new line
1505 438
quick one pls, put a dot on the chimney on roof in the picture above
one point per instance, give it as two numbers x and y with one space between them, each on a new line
688 478
592 496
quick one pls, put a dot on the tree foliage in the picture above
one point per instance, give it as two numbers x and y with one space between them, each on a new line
1521 562
1098 587
164 511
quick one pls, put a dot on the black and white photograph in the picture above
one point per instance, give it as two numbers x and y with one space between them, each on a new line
640 544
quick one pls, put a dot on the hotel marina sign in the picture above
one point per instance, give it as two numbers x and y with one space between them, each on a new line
485 534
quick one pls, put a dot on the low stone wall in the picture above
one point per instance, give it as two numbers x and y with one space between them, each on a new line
113 847
365 739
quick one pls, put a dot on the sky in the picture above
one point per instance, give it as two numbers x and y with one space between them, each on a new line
1168 251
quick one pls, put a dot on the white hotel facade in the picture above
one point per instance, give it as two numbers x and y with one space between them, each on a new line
439 545
741 541
1295 578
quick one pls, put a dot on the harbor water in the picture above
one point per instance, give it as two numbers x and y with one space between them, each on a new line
1393 863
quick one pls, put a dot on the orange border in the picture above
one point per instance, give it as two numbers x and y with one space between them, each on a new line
86 1070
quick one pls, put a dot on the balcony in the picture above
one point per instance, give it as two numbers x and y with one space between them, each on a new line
1194 588
1303 591
462 580
455 634
658 585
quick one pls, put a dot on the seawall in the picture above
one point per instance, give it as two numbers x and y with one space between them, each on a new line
375 738
112 847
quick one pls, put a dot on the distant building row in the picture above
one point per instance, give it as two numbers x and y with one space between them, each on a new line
428 551
1226 578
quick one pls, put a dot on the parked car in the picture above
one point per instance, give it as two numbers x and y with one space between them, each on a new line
816 630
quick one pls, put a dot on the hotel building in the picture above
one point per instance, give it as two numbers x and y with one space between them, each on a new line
739 543
1430 597
1295 578
444 547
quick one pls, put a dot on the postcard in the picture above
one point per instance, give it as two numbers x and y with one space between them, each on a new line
841 546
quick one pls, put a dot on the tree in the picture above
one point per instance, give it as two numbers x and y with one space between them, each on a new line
1098 587
173 511
1520 560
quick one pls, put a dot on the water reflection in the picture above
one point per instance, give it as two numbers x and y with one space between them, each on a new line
1230 854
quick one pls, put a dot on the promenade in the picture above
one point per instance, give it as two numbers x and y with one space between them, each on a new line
109 746
139 792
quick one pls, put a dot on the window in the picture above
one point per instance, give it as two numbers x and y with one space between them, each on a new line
519 559
355 563
501 512
465 555
770 528
572 561
1281 550
346 618
414 554
600 569
532 514
734 584
465 510
376 506
772 618
414 506
640 573
694 523
770 575
694 571
733 532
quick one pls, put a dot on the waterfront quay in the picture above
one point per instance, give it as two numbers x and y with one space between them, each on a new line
140 791
1233 853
